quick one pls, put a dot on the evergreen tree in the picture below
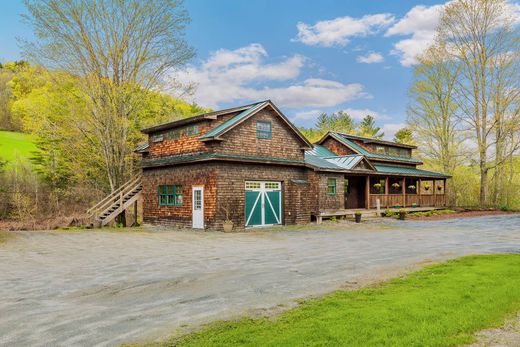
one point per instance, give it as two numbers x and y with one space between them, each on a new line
368 128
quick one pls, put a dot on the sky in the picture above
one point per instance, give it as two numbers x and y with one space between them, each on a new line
308 57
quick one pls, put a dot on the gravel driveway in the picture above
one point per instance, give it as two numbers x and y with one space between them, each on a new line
106 288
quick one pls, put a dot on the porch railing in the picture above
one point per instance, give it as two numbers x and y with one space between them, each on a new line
391 200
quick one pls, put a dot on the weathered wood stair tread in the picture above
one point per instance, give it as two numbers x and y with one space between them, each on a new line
113 204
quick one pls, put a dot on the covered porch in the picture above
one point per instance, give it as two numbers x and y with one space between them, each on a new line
398 192
394 192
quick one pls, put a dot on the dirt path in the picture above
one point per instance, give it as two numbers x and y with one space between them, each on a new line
505 336
105 288
462 214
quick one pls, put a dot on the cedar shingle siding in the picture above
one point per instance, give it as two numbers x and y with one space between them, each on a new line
226 158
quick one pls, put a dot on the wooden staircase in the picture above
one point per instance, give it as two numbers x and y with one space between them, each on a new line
114 204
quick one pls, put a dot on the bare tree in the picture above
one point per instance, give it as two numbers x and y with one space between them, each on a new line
119 49
431 113
477 33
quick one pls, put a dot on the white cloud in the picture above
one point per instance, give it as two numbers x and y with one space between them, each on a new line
360 113
306 115
420 22
370 58
242 74
338 31
391 128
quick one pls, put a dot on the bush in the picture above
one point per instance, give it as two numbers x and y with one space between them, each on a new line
388 213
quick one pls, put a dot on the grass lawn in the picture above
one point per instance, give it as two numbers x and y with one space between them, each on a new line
441 305
15 145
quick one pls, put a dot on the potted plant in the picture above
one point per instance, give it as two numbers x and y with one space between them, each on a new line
414 205
228 223
411 187
427 187
357 216
396 185
402 214
439 188
377 186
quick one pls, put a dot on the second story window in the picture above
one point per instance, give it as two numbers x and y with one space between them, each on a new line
263 130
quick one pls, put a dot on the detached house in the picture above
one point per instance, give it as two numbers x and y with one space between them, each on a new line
251 164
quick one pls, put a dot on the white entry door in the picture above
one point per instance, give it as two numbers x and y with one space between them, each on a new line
198 207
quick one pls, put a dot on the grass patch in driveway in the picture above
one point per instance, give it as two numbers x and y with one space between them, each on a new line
440 305
5 236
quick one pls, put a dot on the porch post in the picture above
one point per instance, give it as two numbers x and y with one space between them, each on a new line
386 192
403 187
367 192
445 197
419 192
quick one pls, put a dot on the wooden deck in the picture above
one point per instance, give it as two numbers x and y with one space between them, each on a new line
369 213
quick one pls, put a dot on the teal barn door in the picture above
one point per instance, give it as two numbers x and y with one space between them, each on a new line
263 203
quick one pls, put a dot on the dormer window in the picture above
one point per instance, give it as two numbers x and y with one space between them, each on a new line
263 130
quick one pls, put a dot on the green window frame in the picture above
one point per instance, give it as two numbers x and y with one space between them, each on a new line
170 195
192 130
331 186
263 130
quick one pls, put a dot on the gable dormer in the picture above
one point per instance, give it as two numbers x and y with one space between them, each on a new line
374 149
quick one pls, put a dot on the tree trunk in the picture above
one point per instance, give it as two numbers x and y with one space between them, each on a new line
483 184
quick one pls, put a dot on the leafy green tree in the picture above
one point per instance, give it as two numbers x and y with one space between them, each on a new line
368 128
432 111
118 51
404 136
482 36
338 121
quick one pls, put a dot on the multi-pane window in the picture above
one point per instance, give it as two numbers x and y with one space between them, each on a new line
157 138
272 185
252 185
393 151
263 130
197 199
170 195
176 134
331 186
192 130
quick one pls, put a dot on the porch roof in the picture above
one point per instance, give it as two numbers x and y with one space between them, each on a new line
409 171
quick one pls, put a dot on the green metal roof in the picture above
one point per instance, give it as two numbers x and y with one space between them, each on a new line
209 156
321 151
323 158
372 155
232 121
409 171
142 147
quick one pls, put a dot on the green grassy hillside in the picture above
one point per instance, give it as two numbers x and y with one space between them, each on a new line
15 145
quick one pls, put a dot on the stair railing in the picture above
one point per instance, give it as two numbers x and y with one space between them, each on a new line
114 197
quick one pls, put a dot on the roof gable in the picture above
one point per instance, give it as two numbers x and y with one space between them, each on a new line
218 131
361 150
210 115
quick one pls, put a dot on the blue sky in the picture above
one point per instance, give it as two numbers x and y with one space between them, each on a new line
307 56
